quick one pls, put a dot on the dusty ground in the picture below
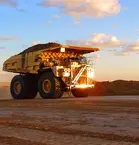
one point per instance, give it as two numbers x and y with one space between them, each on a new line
70 121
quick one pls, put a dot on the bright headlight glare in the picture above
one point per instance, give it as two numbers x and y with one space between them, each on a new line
66 74
90 74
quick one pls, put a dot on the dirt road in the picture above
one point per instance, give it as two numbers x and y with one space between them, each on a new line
69 121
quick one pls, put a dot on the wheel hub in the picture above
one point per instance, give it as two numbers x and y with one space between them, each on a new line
17 88
47 86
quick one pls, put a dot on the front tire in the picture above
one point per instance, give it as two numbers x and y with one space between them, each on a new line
49 86
80 92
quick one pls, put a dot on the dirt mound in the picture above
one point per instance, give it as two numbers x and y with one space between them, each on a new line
118 87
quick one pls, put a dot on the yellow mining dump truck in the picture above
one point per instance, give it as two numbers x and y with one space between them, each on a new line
50 69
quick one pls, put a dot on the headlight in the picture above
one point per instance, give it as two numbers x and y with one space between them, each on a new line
90 73
66 74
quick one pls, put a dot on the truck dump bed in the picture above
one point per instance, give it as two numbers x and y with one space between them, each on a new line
55 47
25 62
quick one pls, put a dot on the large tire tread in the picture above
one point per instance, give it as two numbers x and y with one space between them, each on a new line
55 91
28 87
80 93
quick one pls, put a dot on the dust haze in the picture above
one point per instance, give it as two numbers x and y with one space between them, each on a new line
4 90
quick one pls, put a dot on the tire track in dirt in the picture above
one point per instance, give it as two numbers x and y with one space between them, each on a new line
17 141
62 130
127 106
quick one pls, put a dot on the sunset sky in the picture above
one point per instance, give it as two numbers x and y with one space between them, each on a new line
111 25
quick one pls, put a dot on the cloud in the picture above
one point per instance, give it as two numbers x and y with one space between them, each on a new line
11 3
116 25
125 8
48 22
36 42
137 30
92 56
56 16
129 48
98 40
21 10
25 46
8 38
77 22
1 47
109 43
133 47
85 8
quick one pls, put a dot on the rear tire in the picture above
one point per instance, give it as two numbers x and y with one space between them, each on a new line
80 93
49 86
31 82
23 87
